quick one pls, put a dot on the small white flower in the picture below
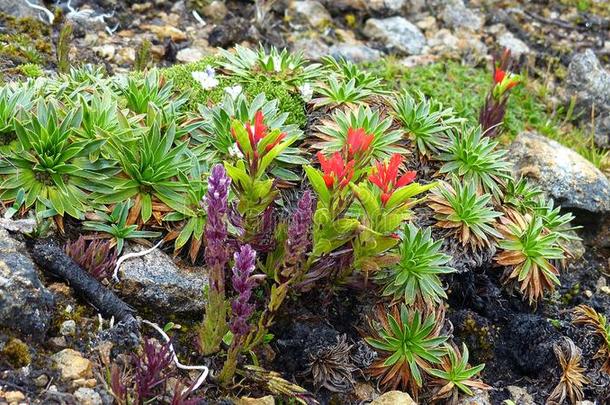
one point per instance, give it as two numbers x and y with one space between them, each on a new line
234 151
306 91
207 79
234 91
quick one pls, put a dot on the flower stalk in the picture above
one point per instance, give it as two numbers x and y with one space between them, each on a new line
216 257
243 283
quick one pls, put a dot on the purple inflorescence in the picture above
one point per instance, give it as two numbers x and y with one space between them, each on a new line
243 283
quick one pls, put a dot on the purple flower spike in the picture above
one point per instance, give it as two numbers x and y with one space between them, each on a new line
216 253
243 283
300 229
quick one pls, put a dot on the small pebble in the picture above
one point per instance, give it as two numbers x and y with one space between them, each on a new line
68 328
588 293
41 381
14 396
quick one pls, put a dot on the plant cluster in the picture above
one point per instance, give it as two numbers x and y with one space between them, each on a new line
131 160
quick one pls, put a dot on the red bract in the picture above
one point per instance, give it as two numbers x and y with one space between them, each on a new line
336 171
358 141
259 131
385 176
499 75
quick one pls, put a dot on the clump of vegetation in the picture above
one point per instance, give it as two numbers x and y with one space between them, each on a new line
16 353
469 216
572 380
410 343
596 323
455 374
214 157
526 251
416 277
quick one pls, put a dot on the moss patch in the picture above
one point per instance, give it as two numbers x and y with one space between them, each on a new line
16 353
289 101
24 40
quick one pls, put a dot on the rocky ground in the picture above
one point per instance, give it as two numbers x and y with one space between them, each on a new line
55 347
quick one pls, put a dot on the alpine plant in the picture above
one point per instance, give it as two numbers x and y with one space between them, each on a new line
462 211
243 282
415 279
491 115
475 158
216 258
425 122
409 344
527 251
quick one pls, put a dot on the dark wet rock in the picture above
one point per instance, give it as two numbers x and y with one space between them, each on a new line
456 15
25 304
19 8
531 344
356 53
396 34
308 13
340 6
154 283
571 180
229 33
589 82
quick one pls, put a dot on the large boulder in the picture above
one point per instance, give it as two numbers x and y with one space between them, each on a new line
564 175
396 34
589 82
154 283
25 304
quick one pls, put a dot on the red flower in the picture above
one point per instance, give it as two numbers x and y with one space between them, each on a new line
385 176
499 75
260 129
358 141
336 170
258 133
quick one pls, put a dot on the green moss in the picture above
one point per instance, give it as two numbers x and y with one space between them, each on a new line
24 40
16 353
289 101
30 70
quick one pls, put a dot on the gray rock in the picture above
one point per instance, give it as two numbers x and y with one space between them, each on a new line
189 55
589 82
456 15
397 34
480 397
312 48
20 9
87 396
515 45
68 328
388 7
564 175
520 395
308 12
356 53
153 282
339 6
25 304
216 10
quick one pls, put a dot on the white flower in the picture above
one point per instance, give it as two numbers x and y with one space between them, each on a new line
234 91
306 91
207 79
234 151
